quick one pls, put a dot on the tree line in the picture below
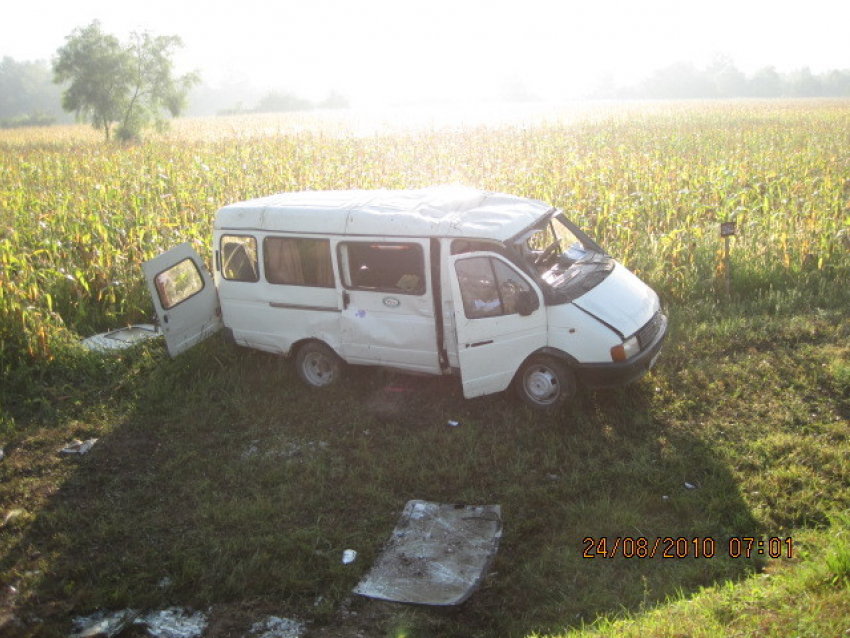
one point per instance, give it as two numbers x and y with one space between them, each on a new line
723 80
131 86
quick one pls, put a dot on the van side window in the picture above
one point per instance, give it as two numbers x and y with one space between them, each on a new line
239 258
489 287
178 283
387 267
298 262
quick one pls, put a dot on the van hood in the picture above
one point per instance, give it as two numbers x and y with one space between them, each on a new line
621 300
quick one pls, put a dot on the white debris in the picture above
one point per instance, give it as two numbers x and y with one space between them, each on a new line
173 623
349 556
121 339
454 423
102 624
274 627
284 450
169 623
690 486
78 447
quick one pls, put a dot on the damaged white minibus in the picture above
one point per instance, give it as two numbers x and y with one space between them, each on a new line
448 280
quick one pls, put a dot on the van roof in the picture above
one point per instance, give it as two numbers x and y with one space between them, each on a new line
442 211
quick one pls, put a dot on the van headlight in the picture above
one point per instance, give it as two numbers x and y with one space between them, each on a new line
627 349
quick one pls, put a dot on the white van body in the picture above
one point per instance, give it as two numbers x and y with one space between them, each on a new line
441 280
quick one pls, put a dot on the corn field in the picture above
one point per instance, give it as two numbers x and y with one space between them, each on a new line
650 183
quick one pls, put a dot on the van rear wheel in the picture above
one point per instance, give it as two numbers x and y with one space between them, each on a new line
317 365
545 383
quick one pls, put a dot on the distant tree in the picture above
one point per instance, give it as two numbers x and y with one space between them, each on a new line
727 79
678 81
334 100
27 93
803 83
837 83
766 82
278 101
111 82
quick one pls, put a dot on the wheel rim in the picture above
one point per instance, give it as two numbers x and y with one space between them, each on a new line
541 384
318 369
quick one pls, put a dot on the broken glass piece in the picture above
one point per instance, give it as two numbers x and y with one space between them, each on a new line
437 554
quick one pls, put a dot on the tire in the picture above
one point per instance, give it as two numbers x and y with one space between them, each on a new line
545 383
317 365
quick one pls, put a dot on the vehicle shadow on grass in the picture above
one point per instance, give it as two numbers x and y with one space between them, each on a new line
231 487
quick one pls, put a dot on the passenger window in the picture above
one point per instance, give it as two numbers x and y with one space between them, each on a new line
488 287
178 283
398 268
298 262
239 258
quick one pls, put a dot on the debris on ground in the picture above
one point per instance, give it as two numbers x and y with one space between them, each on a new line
285 450
454 423
274 627
173 623
78 447
349 556
11 516
103 623
437 554
122 338
168 623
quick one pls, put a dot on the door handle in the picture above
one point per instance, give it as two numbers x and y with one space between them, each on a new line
346 299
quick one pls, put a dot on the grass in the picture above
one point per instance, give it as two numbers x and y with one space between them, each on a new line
219 472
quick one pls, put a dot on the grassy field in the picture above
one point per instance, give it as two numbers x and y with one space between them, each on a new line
219 472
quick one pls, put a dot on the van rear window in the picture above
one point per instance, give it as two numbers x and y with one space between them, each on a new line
298 262
177 284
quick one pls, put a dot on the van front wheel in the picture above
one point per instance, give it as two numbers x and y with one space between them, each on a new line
317 365
545 383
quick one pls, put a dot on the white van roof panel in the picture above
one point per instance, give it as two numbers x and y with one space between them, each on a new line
443 211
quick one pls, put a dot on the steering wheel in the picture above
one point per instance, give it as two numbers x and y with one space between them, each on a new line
543 257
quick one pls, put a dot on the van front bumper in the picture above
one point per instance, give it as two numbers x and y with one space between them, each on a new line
609 375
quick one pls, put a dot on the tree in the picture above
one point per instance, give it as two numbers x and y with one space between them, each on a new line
153 86
129 84
27 92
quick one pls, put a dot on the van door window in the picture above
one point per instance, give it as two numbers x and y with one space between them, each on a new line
178 283
385 267
488 287
239 258
298 262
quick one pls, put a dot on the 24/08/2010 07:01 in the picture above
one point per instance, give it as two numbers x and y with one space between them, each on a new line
684 547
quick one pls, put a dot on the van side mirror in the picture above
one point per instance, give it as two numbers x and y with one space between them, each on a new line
526 302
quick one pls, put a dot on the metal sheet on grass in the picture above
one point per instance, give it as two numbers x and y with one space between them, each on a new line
437 554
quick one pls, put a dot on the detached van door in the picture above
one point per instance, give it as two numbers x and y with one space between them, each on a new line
184 297
493 338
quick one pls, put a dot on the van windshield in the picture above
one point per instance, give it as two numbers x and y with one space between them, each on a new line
565 259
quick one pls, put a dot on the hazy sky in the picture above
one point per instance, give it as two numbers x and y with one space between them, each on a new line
371 50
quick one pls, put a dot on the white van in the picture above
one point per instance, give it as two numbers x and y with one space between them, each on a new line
445 280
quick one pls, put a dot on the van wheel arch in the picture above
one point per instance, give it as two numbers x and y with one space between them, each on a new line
316 363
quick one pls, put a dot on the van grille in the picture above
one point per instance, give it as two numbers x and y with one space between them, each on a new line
650 330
